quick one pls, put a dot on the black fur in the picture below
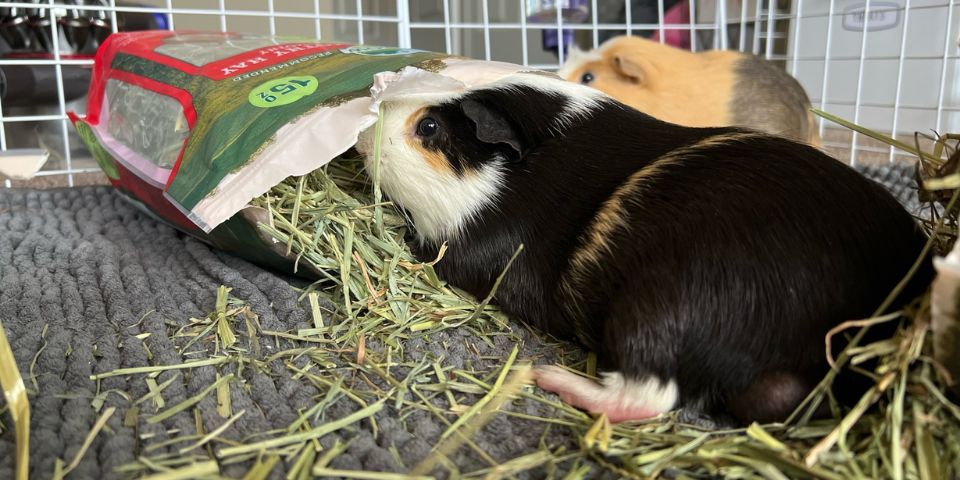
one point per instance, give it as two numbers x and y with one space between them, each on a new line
737 259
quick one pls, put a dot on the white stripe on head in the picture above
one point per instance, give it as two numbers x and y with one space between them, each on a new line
442 202
581 100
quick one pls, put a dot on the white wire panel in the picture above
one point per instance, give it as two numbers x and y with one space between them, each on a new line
900 76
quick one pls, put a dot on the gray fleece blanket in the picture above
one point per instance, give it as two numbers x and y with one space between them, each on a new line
83 276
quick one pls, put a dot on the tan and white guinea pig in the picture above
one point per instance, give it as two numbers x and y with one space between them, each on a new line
705 89
701 280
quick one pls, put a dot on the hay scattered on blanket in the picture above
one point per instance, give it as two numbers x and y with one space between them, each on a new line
333 220
15 394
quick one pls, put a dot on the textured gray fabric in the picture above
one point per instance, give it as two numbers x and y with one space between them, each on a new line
899 180
95 273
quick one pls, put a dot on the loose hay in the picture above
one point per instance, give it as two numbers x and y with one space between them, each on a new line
17 404
336 225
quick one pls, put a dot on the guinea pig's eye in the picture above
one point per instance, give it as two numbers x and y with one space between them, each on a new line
427 127
586 78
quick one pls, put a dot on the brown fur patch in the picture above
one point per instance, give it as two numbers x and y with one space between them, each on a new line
692 89
434 159
703 89
613 216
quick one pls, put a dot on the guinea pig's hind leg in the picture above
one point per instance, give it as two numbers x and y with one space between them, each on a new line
770 397
620 398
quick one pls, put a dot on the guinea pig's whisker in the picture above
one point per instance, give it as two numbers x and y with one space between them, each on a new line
407 217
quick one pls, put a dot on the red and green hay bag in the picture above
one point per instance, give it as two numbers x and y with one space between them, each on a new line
191 126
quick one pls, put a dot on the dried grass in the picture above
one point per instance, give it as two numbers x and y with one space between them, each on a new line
904 427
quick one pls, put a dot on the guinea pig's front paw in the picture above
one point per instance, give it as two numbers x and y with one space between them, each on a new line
620 399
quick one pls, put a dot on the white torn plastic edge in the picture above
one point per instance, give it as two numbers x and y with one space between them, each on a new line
315 139
22 163
945 313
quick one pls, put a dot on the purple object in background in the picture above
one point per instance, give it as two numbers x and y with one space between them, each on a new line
545 11
550 41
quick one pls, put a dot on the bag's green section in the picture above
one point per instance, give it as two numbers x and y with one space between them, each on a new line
240 234
236 93
231 129
282 91
157 72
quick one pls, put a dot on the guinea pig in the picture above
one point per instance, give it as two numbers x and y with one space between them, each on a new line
705 89
701 280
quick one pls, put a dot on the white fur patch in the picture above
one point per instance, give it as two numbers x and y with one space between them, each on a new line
440 202
582 100
650 393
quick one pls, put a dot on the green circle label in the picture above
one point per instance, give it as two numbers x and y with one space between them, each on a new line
282 91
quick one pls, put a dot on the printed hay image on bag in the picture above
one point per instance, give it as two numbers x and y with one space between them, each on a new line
197 128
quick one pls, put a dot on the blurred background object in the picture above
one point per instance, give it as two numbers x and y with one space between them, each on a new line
46 54
890 65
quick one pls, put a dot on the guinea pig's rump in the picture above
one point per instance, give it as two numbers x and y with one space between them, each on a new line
767 98
741 268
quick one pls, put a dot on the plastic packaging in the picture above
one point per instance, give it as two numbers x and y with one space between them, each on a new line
193 126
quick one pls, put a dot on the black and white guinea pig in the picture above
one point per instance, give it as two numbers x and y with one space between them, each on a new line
703 277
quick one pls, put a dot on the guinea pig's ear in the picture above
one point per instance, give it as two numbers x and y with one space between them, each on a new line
493 128
629 67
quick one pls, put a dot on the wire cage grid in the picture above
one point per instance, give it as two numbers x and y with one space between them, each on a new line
831 46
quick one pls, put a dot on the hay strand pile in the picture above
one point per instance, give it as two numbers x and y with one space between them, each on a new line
375 304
